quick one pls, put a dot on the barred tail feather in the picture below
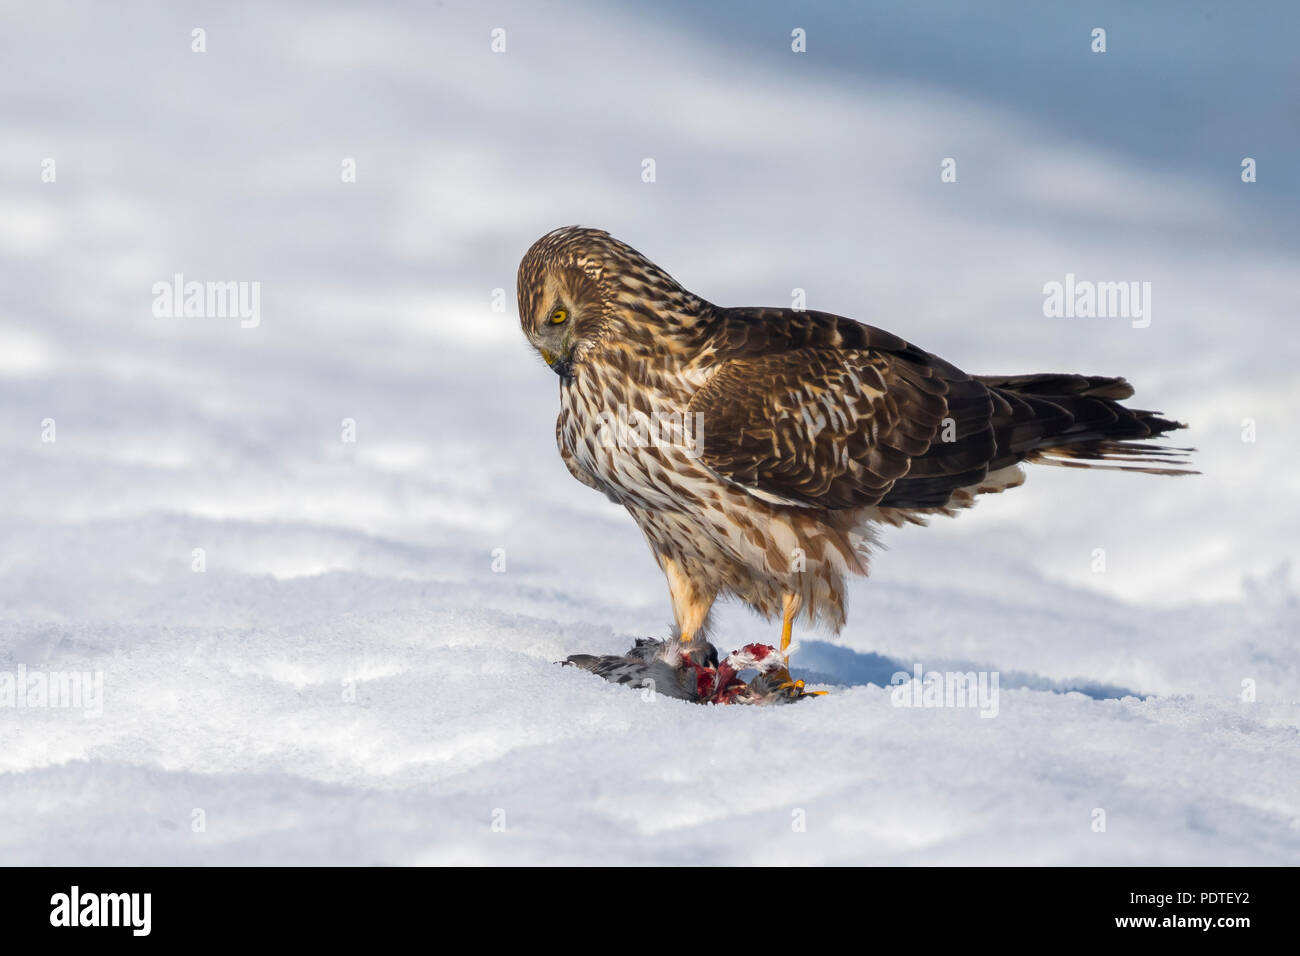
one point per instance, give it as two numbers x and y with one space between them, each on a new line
1101 433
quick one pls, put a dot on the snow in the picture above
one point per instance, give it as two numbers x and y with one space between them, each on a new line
227 692
354 678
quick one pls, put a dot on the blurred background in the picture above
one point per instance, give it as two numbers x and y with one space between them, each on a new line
774 170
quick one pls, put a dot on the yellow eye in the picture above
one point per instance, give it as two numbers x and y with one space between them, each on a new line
558 316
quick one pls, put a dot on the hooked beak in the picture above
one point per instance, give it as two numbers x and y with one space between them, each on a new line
561 367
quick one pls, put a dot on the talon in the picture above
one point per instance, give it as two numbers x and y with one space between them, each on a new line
795 689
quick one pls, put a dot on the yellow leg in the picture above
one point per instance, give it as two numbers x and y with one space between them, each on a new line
691 603
789 607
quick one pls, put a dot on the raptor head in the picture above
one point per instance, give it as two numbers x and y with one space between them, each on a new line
579 287
562 300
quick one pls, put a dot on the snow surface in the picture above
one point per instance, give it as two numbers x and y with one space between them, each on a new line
350 681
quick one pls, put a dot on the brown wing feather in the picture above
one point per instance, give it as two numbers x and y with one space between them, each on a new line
820 410
821 427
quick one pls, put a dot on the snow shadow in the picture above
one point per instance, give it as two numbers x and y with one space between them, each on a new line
820 662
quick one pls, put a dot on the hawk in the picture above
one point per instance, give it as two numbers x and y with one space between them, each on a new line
759 449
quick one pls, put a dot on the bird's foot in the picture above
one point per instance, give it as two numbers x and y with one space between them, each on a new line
772 685
781 682
778 686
